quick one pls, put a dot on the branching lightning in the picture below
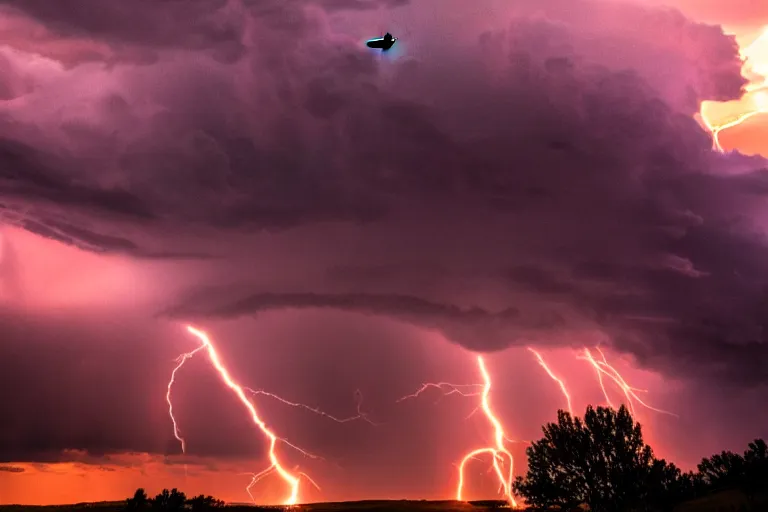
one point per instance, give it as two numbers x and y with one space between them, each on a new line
554 377
499 452
275 467
257 477
176 431
755 57
715 130
603 368
502 461
292 479
447 389
358 402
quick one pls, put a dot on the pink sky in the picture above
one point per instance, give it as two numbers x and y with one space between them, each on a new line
338 220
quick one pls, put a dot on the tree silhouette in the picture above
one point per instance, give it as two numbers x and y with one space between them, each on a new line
601 461
202 502
723 470
665 487
728 470
139 501
169 501
756 462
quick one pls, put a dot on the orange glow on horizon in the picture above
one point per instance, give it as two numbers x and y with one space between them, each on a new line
229 486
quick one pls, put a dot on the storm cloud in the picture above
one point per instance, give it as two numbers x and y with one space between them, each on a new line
584 155
535 176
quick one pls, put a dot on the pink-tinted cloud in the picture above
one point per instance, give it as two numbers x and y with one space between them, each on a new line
517 174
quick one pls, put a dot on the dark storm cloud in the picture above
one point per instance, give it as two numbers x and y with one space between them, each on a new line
426 273
360 5
481 329
195 25
563 146
137 31
78 236
97 242
27 173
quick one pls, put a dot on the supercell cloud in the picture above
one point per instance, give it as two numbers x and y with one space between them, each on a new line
515 175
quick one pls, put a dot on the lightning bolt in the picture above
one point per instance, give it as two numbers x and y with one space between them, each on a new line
715 130
447 389
603 368
554 377
755 57
291 479
176 431
361 415
183 358
498 453
256 478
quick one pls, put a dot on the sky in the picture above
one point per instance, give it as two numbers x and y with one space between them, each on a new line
346 226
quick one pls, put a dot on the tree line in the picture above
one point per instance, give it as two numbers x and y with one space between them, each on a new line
171 501
602 461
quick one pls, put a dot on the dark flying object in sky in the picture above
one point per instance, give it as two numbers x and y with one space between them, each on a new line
382 43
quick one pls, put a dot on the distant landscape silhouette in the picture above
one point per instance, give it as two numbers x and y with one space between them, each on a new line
599 463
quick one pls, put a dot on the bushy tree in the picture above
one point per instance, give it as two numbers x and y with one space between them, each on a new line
202 503
728 470
169 501
601 461
722 470
139 501
665 487
756 468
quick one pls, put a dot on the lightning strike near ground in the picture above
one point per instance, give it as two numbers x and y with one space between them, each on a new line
316 410
499 452
554 377
292 480
256 478
603 368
